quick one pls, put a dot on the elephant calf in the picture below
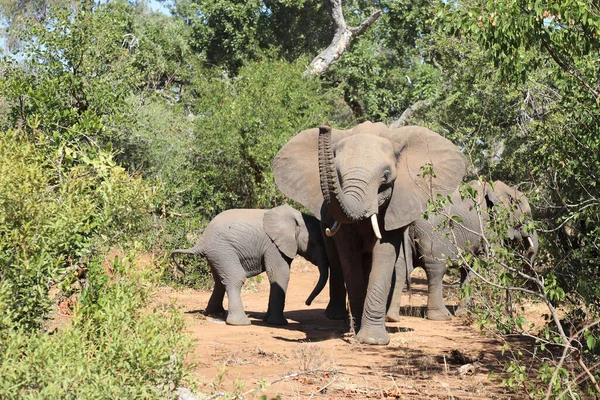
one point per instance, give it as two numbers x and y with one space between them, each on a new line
242 243
427 246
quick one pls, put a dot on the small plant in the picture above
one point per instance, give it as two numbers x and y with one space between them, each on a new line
308 356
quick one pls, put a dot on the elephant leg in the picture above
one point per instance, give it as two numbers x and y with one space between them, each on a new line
465 303
215 303
399 277
402 270
233 276
356 286
385 254
278 272
336 309
235 313
436 309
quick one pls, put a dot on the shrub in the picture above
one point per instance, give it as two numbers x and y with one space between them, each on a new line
57 206
111 349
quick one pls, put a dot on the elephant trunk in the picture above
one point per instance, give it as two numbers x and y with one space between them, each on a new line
344 208
323 276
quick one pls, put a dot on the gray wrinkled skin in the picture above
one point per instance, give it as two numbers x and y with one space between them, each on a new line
367 178
242 243
427 246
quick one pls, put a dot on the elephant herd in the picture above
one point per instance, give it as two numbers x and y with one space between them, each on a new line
368 188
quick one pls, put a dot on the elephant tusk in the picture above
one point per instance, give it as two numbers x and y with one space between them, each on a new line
530 241
334 229
375 226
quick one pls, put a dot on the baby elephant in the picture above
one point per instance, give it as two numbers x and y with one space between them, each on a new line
242 243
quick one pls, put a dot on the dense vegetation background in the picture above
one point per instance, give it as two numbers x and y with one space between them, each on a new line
126 127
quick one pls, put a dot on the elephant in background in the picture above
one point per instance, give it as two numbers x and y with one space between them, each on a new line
242 243
356 181
426 245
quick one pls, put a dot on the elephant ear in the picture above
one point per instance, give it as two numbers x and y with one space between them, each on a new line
282 225
504 196
505 193
418 150
296 168
490 195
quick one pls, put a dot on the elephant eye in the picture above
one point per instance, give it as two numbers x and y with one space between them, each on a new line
386 176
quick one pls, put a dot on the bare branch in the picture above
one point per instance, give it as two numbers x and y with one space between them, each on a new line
341 39
569 218
365 25
403 120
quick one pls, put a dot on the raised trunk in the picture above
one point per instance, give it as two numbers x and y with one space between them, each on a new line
341 207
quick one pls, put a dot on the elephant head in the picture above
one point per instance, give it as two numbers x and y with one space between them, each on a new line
499 194
367 171
294 233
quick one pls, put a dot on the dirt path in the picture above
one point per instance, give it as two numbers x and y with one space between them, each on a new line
417 364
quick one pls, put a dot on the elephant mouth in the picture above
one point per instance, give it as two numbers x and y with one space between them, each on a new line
336 227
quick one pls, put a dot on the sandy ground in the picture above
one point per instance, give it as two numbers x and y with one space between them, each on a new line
311 357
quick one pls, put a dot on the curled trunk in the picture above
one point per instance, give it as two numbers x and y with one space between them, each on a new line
341 207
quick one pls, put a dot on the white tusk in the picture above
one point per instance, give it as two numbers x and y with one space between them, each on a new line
334 229
375 226
530 241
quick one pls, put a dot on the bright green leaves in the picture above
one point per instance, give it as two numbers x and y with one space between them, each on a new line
56 203
228 33
241 124
553 291
563 31
110 349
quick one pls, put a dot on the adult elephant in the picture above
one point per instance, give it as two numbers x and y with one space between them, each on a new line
367 184
430 244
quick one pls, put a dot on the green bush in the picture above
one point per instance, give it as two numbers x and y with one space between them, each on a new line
112 348
57 206
242 122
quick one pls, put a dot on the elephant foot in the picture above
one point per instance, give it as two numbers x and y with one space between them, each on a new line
373 335
237 320
392 317
276 320
439 314
214 311
336 312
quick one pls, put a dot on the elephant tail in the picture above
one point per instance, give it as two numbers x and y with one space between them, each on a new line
197 250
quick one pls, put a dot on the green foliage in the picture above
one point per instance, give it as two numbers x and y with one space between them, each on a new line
78 74
382 73
229 33
242 122
550 51
56 203
111 349
197 103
